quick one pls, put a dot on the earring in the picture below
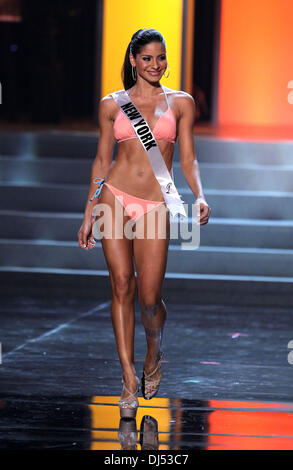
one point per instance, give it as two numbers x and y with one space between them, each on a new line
168 72
134 73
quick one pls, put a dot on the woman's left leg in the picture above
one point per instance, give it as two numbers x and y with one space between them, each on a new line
150 255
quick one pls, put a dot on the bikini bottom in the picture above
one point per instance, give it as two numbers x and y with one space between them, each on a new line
135 207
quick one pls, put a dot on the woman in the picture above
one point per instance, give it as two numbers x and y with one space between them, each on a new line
131 179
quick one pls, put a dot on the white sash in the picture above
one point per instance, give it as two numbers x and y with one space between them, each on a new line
145 135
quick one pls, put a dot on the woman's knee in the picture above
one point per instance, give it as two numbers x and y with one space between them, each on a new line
123 285
150 304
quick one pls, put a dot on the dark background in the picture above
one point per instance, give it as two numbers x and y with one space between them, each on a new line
205 27
48 61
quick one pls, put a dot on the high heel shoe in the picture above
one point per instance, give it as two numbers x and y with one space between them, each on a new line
150 386
128 405
127 434
149 436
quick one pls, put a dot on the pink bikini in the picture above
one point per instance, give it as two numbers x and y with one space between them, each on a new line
165 129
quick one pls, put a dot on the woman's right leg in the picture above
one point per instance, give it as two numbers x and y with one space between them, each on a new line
119 258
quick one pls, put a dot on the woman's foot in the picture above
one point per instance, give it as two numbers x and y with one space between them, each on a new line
151 378
128 402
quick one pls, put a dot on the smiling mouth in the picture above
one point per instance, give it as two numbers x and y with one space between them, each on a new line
154 73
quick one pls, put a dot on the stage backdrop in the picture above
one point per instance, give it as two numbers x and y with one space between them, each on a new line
256 63
122 19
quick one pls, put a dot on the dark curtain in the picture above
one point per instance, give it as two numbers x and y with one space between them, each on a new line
53 76
204 43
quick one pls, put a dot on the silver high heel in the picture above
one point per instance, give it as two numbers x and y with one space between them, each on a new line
149 435
127 434
149 385
128 405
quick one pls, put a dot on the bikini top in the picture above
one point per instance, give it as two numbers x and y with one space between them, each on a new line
165 128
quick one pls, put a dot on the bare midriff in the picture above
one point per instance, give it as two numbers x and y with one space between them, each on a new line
131 171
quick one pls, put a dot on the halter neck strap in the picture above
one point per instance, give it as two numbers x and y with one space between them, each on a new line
163 88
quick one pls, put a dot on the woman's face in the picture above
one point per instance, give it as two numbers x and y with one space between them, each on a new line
151 62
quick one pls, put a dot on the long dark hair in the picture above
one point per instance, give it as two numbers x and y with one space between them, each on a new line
138 40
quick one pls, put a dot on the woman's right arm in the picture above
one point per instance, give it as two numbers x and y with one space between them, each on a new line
100 167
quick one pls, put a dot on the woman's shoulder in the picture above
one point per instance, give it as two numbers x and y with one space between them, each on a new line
109 96
107 102
182 100
178 95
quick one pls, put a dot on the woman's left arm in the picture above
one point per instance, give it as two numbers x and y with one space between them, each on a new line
188 160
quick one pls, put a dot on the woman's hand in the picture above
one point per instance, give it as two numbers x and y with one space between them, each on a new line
85 235
203 210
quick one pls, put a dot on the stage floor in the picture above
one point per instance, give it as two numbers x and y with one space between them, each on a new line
227 377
